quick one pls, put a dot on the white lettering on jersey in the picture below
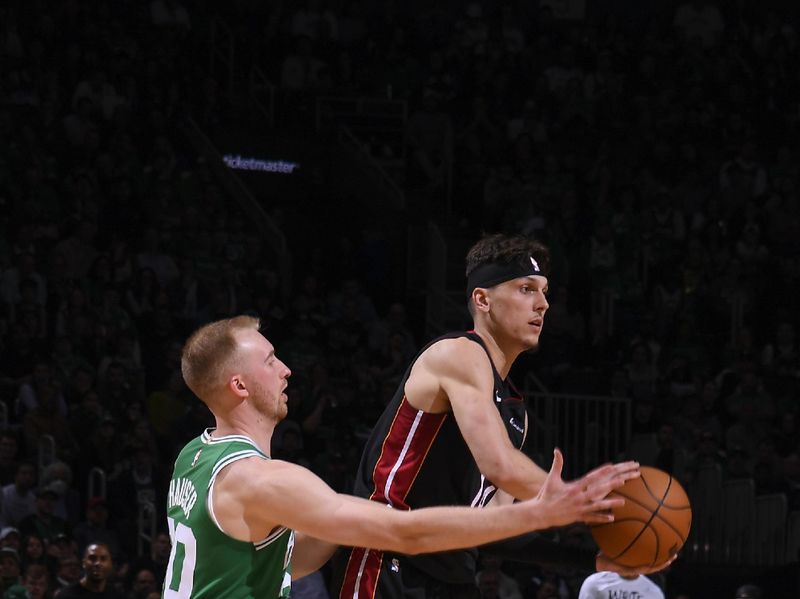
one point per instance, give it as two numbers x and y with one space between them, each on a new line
182 494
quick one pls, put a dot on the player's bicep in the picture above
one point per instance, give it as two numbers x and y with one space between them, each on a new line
295 497
466 377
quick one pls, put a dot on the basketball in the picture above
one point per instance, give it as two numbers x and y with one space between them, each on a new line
653 524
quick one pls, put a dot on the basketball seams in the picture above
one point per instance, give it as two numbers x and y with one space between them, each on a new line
650 491
638 536
646 504
674 529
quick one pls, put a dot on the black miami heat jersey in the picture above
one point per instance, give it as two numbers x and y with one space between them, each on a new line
415 459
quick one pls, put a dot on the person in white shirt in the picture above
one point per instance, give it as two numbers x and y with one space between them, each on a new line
610 585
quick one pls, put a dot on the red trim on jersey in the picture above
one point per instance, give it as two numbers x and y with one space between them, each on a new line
403 452
367 583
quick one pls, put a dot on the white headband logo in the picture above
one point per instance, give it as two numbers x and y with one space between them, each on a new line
535 265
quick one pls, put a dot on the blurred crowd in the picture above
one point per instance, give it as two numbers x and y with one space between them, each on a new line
653 150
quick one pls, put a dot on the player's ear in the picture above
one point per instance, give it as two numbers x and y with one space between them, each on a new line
480 299
237 386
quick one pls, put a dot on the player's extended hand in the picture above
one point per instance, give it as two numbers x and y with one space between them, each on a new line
604 564
582 500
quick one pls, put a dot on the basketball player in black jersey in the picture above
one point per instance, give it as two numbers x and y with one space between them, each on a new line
453 432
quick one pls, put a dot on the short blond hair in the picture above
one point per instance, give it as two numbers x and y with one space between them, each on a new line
209 351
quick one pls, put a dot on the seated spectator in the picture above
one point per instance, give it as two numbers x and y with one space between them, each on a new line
144 583
493 583
33 552
643 375
30 392
95 529
781 356
699 20
791 479
46 419
35 584
19 497
9 569
43 522
157 559
97 569
9 448
58 474
68 571
10 537
171 14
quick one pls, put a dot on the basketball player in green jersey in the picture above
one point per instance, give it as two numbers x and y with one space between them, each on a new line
242 525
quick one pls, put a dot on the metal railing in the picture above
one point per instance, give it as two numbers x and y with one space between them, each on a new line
349 140
442 307
236 188
145 527
46 452
96 484
222 54
590 430
262 94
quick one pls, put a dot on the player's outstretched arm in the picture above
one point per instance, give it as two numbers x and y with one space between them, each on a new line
252 497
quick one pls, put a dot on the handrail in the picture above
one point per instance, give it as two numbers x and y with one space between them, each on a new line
146 526
435 285
249 204
47 451
346 137
228 58
589 429
257 83
447 164
96 486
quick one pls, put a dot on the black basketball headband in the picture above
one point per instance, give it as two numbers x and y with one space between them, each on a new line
494 273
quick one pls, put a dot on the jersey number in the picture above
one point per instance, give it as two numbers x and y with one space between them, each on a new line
178 585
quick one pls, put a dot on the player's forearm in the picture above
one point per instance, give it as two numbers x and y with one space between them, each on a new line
445 528
516 474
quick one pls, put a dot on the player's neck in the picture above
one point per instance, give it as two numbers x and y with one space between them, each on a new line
502 357
258 430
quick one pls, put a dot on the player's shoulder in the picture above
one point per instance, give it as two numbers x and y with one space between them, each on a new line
599 580
656 590
251 475
454 350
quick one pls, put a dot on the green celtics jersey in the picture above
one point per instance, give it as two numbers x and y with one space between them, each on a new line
205 562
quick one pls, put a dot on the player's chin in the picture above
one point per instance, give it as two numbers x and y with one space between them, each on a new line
531 342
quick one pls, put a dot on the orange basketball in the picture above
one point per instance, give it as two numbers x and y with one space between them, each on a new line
653 524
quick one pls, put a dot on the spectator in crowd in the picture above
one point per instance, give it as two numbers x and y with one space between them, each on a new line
43 522
156 559
95 581
9 568
35 584
9 448
68 571
10 537
95 529
19 497
144 583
